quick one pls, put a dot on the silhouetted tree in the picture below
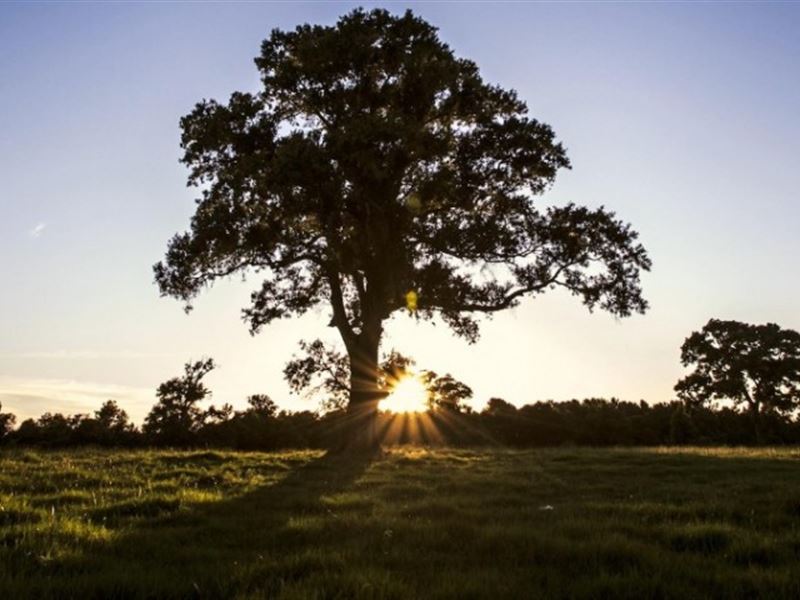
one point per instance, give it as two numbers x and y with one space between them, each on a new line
262 404
176 417
377 172
7 421
112 418
27 432
319 371
499 407
593 421
323 370
214 415
108 427
56 429
446 392
755 366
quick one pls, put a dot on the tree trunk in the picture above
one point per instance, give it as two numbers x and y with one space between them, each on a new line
361 432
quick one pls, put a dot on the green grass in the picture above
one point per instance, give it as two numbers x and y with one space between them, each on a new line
635 523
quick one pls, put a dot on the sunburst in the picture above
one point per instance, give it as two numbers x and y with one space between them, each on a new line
408 395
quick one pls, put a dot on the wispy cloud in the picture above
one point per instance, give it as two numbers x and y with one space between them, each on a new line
32 397
86 355
37 230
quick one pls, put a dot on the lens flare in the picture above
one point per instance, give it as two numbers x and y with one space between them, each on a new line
411 301
407 396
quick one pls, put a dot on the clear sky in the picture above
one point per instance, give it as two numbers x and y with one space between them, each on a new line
681 117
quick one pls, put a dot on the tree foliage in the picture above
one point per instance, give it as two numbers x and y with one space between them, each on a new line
112 418
319 371
377 172
177 415
755 366
591 422
445 391
7 421
322 371
262 404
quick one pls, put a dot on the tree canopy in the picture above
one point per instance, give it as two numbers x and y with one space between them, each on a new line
177 415
374 172
7 421
756 366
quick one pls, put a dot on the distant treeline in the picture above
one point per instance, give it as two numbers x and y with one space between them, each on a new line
592 422
744 389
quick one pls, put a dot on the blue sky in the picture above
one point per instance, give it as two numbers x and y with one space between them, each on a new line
681 117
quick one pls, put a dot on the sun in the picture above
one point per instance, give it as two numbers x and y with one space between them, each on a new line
408 395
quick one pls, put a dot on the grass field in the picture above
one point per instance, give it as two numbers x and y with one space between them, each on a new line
636 523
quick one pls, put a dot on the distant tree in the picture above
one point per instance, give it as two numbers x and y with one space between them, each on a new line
27 432
377 172
324 370
7 421
320 371
56 429
214 415
263 405
499 407
592 421
503 421
176 416
754 366
112 418
446 392
109 426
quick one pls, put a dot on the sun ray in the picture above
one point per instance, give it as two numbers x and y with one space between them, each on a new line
452 422
392 433
430 431
413 433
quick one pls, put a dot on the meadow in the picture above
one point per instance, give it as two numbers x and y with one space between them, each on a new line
409 523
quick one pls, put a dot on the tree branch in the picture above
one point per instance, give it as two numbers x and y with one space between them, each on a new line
339 319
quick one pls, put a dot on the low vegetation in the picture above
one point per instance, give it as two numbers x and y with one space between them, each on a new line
590 422
411 522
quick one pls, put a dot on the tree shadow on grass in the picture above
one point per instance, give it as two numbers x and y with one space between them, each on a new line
219 549
633 523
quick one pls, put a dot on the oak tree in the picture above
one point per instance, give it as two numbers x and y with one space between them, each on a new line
176 417
374 172
7 421
754 366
